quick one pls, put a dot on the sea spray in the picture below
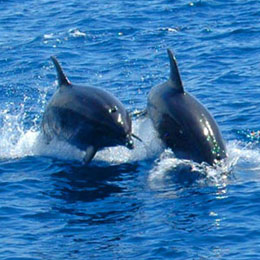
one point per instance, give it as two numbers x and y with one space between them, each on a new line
20 139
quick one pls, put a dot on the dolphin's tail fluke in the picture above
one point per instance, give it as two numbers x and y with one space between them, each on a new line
62 79
175 74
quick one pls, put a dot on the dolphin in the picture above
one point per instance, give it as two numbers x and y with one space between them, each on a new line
86 117
182 122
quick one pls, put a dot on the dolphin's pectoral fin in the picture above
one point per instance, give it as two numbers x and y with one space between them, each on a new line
62 79
138 113
90 153
175 77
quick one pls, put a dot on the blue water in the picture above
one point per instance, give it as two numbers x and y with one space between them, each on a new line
145 203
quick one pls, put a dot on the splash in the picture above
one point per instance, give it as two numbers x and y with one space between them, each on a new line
168 167
76 33
149 148
20 140
15 141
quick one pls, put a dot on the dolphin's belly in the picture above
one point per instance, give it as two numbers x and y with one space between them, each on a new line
68 126
189 130
168 129
179 139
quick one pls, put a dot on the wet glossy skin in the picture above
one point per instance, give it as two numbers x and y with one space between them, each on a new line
87 116
183 123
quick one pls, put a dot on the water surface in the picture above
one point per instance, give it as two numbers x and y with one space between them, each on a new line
145 203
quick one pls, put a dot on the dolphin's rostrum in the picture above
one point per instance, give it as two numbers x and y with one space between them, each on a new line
182 122
86 117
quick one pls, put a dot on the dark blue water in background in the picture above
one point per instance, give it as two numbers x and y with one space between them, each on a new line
141 204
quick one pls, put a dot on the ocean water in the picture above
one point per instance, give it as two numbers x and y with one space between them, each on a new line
144 203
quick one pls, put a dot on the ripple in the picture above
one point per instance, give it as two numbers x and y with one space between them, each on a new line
145 203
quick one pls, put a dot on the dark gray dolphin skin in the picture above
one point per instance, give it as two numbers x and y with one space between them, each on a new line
182 122
86 117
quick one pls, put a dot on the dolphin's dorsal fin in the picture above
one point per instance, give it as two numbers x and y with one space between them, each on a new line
62 79
175 74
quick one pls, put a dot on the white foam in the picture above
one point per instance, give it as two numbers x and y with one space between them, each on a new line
76 33
17 141
168 165
149 148
48 36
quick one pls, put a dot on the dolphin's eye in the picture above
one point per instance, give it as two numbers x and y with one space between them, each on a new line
113 109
